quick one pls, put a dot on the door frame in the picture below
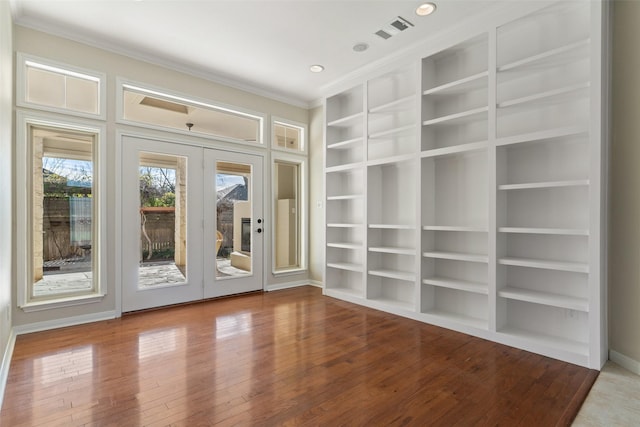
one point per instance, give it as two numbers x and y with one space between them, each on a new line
188 140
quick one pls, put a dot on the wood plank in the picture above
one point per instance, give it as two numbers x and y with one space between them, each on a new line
290 357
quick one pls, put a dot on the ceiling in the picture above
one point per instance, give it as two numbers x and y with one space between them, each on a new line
264 46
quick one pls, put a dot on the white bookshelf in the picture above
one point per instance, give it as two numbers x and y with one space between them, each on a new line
465 189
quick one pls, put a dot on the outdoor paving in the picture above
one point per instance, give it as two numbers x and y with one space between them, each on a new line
149 275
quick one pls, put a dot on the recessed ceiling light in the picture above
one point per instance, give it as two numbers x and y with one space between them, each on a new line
425 9
360 47
316 68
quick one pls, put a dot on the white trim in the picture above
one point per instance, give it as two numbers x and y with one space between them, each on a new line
24 119
624 361
190 140
290 272
6 362
204 103
64 322
287 285
65 69
316 283
61 302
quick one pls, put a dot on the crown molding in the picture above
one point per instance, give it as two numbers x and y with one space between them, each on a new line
143 56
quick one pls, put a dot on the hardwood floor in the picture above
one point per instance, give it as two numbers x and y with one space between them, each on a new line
290 357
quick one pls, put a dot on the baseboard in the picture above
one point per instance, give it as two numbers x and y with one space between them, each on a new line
61 323
287 285
626 362
6 362
316 283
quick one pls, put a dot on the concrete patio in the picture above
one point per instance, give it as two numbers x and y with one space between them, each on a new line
70 280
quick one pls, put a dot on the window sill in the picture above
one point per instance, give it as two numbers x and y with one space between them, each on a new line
61 302
291 272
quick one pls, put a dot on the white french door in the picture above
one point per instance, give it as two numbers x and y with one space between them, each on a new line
233 214
191 223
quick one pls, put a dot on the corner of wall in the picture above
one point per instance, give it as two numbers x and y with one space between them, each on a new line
7 337
624 361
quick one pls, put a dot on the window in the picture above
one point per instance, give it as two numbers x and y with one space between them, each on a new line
287 136
46 85
289 215
62 252
144 106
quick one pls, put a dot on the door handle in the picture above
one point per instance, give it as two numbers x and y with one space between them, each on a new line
259 230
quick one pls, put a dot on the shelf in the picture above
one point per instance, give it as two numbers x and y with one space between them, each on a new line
401 104
576 267
346 266
457 318
559 52
543 135
345 145
345 245
455 228
343 168
468 115
347 121
394 302
460 86
392 226
461 285
343 225
550 231
345 197
545 298
563 344
394 274
456 256
550 184
388 160
547 95
456 149
394 131
393 250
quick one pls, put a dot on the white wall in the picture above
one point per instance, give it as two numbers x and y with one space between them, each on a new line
80 55
624 217
6 92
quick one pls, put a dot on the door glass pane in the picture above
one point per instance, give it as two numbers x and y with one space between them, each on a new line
163 220
286 211
62 213
234 222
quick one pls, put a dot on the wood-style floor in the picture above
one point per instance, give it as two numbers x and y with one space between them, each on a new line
290 357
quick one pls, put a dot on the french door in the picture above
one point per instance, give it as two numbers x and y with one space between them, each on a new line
192 223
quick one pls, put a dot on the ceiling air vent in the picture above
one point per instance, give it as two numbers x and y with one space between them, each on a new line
394 27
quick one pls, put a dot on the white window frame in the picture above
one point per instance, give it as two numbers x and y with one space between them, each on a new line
24 121
122 84
290 123
303 196
24 60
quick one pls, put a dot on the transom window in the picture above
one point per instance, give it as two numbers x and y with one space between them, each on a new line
43 84
288 136
157 109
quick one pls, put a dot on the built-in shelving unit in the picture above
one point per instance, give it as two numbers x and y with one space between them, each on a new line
465 188
345 198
